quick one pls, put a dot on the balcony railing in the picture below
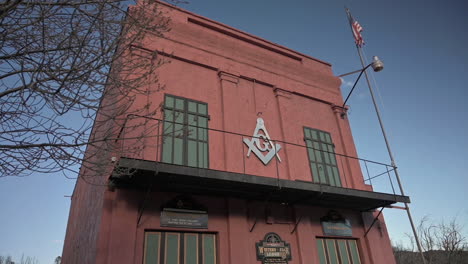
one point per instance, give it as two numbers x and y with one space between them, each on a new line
142 138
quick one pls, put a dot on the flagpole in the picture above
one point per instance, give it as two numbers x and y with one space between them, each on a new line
377 111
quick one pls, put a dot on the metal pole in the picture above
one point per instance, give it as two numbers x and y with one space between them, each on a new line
391 158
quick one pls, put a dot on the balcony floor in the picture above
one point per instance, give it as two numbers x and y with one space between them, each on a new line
182 179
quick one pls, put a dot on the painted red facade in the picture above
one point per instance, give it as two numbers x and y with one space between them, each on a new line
241 78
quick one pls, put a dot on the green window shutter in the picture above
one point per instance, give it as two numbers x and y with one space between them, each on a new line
202 109
310 150
307 133
192 107
168 139
185 140
152 248
321 171
179 104
336 176
325 153
322 158
354 251
179 248
322 136
192 153
343 249
318 153
179 124
337 251
332 157
192 129
172 248
314 134
202 132
209 249
321 251
202 155
332 254
169 101
331 179
191 248
315 172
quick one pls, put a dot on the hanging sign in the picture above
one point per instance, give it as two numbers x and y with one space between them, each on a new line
333 224
273 250
261 142
184 218
183 211
337 228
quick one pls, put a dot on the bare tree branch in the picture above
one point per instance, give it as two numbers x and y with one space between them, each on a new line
62 72
443 243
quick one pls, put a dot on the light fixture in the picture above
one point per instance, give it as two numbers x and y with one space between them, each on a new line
377 65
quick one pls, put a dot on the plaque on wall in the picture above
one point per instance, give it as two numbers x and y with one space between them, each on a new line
184 212
273 250
333 224
184 218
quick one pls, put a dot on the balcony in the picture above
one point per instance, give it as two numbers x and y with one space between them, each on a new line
286 178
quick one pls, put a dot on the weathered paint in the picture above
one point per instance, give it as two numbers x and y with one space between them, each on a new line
241 77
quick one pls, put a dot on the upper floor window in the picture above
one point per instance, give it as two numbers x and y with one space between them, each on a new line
185 140
322 158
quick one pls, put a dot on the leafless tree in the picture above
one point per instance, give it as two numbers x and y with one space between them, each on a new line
403 255
58 59
23 260
427 234
443 243
452 241
28 260
6 260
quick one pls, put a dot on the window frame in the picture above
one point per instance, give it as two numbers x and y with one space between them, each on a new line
323 154
350 254
185 135
181 245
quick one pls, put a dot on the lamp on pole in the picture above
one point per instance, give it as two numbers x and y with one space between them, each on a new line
377 65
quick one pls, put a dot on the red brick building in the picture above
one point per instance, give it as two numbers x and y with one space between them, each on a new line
248 161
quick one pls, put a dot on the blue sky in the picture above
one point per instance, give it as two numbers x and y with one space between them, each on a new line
421 92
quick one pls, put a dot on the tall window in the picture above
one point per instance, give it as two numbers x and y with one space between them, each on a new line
322 158
185 140
179 248
338 251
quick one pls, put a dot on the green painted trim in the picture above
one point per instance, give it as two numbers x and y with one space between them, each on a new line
321 251
209 249
152 248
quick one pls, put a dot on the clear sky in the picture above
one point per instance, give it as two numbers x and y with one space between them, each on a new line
421 92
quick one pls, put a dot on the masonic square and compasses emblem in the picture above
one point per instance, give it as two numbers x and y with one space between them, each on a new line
261 142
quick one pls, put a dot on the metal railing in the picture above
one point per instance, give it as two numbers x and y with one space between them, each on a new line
143 138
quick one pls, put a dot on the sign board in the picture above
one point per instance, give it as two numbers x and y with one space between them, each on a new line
273 250
171 217
334 224
342 228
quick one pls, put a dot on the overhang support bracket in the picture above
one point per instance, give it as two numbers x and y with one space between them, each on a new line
254 224
142 208
373 222
297 223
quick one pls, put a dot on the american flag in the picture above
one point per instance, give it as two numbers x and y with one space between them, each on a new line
357 29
